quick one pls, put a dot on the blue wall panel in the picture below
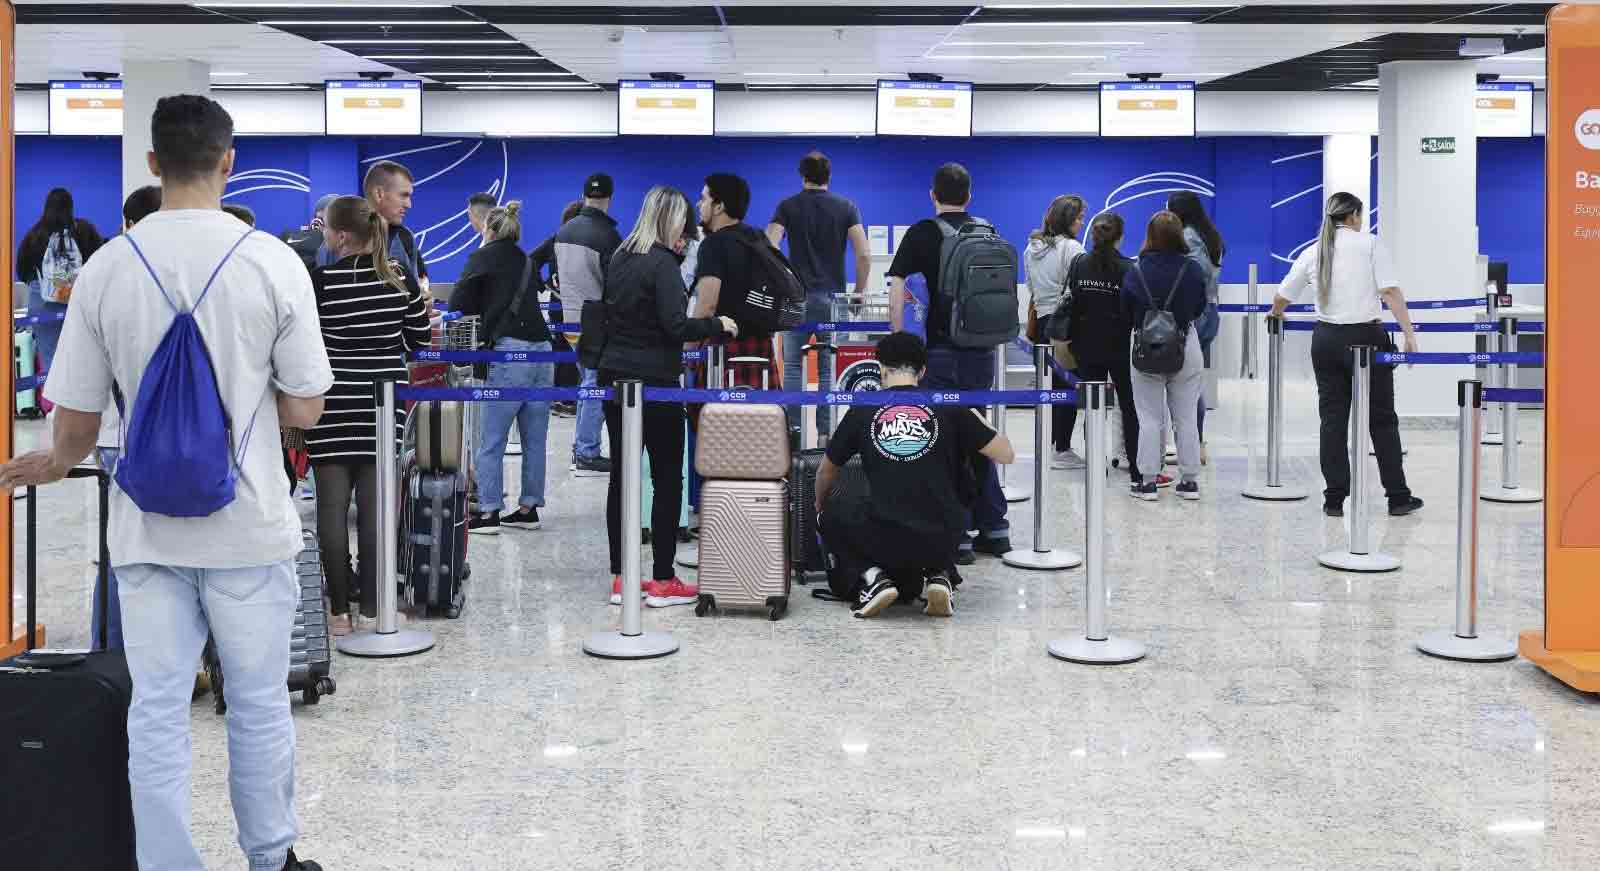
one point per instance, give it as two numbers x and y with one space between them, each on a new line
1264 191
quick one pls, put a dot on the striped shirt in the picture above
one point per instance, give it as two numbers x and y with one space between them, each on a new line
367 326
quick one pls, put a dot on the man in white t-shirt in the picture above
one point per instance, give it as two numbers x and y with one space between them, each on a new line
230 573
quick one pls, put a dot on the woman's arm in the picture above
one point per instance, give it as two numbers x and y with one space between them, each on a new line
1396 301
469 296
671 301
88 238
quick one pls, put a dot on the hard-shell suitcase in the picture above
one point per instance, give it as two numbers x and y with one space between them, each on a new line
22 367
64 744
744 545
742 442
310 647
435 548
440 432
807 546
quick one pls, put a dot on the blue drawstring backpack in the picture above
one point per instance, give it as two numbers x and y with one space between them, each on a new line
177 448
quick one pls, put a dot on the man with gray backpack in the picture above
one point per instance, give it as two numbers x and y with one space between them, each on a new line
970 275
1163 294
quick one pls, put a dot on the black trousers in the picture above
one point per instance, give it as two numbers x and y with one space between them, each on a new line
1120 373
1332 361
855 543
663 441
336 484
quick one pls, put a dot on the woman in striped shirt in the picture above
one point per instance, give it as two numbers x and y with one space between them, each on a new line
372 313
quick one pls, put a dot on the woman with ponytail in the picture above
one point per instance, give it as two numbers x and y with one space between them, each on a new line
372 313
501 284
1348 272
1051 250
1205 251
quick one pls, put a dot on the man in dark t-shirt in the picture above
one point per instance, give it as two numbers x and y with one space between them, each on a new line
918 462
723 273
818 223
950 367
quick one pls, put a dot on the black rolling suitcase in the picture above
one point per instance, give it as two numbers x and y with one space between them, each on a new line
806 546
310 647
434 494
64 743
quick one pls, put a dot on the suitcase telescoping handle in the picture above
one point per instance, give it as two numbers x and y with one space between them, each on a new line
763 362
822 360
31 560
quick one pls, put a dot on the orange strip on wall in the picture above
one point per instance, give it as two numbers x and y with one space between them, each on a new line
7 245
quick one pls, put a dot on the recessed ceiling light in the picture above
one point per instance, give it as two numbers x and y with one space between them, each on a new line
804 86
822 75
1078 23
217 74
1110 75
322 5
1184 5
514 74
260 87
967 44
451 57
328 23
525 86
1015 57
381 41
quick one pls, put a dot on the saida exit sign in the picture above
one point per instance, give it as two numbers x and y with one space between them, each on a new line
1438 145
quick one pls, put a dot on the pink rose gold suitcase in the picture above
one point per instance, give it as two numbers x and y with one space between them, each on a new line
742 442
744 545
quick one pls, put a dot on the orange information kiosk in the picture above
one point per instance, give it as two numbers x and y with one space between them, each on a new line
1568 646
11 634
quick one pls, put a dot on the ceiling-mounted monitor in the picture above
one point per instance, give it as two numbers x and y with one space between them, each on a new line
85 108
364 107
1147 108
1505 109
647 107
924 108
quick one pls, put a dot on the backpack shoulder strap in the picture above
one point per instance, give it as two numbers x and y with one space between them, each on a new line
944 227
218 270
514 309
1177 280
148 268
1143 283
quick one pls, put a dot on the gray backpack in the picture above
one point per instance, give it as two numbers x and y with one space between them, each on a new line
1158 342
978 274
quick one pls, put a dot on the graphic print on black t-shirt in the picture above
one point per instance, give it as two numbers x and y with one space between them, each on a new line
904 433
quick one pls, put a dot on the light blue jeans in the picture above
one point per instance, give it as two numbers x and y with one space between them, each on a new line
47 334
819 307
586 443
167 611
533 423
107 458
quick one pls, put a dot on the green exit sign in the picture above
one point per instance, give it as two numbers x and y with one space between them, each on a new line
1438 145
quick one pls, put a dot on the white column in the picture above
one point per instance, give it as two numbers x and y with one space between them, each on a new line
1347 165
1428 205
145 82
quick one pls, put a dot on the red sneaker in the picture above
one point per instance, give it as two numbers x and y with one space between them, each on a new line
1163 480
616 590
665 594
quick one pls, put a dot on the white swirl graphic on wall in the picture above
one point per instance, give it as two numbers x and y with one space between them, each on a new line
443 239
267 180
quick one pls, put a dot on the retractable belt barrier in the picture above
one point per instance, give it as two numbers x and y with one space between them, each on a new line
1513 394
31 382
1414 305
742 397
1476 327
1523 357
45 318
515 356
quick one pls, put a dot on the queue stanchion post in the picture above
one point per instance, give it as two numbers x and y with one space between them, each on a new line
1510 489
1042 557
1274 490
689 555
1463 642
997 419
1359 556
1494 371
1097 646
387 638
631 642
1247 357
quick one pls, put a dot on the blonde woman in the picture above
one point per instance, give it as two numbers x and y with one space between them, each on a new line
645 328
1348 273
372 312
498 284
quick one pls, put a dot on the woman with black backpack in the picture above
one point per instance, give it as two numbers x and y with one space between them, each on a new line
1163 296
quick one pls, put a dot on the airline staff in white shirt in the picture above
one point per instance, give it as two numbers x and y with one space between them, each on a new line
1351 272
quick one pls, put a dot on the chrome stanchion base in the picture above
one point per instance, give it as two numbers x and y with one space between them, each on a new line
1112 651
1495 438
615 645
1015 493
401 642
1042 561
689 556
1346 561
1280 493
1511 494
1446 644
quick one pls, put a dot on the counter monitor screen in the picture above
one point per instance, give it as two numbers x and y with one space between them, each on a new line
1505 109
652 108
1147 108
373 108
924 108
85 109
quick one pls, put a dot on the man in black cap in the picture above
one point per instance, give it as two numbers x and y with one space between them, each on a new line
584 246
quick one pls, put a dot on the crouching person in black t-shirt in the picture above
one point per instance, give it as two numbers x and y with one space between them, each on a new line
918 461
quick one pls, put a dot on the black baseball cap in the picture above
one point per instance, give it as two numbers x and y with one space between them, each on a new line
597 186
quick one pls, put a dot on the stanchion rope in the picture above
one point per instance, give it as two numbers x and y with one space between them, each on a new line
1534 358
742 397
1478 327
1513 394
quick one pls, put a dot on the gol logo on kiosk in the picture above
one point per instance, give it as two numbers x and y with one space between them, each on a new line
1587 129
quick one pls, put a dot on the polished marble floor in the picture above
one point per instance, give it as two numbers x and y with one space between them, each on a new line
1283 719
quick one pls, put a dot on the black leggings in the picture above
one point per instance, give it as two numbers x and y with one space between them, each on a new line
1118 372
335 484
663 441
1331 360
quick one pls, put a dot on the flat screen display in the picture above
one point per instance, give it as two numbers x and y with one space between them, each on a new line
651 108
85 109
1147 108
369 108
1505 109
924 108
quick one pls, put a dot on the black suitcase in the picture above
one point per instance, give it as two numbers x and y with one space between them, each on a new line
64 743
435 547
310 647
806 549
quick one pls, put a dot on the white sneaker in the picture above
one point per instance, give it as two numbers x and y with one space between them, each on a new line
1067 460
